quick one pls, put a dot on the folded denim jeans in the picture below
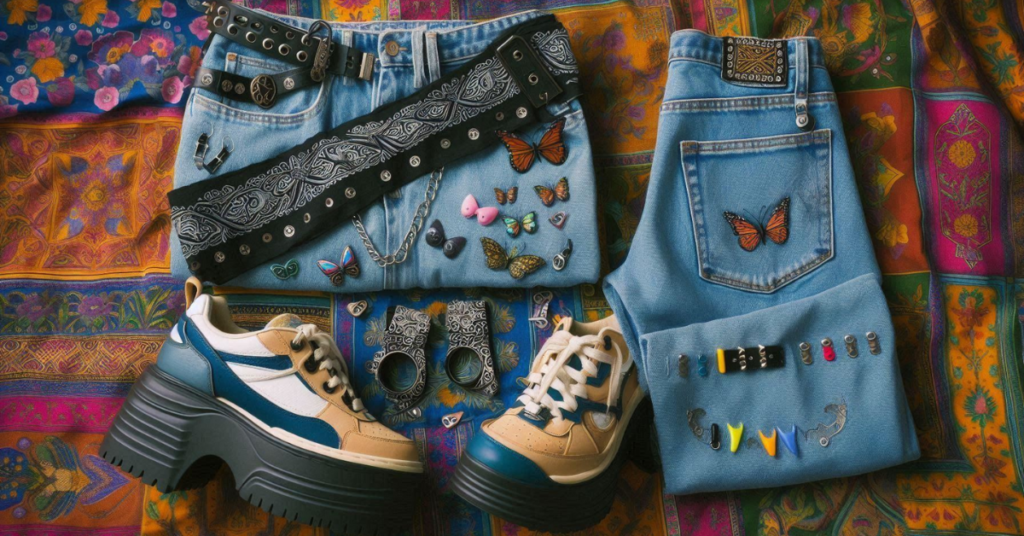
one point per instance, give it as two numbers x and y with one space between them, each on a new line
410 56
751 295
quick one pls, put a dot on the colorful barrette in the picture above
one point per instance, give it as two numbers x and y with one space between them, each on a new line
518 265
506 197
451 247
559 191
522 154
528 224
285 271
752 235
558 219
349 266
484 215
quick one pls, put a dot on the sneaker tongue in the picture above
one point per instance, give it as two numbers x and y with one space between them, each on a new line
286 320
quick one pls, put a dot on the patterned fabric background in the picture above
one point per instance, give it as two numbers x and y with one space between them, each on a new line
932 91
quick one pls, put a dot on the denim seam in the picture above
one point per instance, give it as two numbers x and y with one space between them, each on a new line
781 100
691 149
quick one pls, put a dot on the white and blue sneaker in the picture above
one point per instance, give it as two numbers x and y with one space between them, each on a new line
277 407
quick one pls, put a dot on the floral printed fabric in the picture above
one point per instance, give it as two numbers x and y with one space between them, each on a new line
91 93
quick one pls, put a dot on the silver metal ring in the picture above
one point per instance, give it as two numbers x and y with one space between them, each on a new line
301 55
329 202
350 192
414 161
268 43
267 237
284 50
521 112
473 134
244 249
289 231
219 256
385 175
517 55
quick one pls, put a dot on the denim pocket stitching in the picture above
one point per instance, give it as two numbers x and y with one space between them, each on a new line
820 140
744 103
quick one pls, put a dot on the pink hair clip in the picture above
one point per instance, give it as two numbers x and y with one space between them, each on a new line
484 215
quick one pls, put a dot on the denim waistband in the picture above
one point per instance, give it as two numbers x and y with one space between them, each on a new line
697 45
453 40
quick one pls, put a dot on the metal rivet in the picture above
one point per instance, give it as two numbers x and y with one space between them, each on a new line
350 192
499 116
284 50
533 79
385 175
239 88
445 143
392 48
474 134
851 345
305 40
873 345
226 85
250 37
517 55
232 29
222 11
218 22
287 35
257 25
805 353
268 43
684 366
329 202
244 249
306 217
289 83
267 237
521 112
414 161
301 55
206 79
219 256
289 231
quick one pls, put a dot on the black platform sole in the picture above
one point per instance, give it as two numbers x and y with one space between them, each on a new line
175 437
564 508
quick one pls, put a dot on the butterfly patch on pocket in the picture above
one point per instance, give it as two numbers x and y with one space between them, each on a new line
513 225
518 266
560 191
284 271
349 266
551 147
753 234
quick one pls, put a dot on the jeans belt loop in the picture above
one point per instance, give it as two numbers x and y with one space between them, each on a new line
802 79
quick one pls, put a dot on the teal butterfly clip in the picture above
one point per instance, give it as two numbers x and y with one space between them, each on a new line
284 271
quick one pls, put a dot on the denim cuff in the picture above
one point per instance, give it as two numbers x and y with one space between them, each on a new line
850 413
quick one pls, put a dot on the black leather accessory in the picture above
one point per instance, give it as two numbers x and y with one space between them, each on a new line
232 223
469 338
404 342
263 90
750 61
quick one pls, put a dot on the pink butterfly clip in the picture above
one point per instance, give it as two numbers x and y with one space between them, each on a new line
484 215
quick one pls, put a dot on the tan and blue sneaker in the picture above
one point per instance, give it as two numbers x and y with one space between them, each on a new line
277 407
551 461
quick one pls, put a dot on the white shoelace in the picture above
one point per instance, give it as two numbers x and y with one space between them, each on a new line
329 356
553 371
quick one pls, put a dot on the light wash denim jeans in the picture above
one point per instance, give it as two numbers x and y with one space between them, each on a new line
688 288
425 52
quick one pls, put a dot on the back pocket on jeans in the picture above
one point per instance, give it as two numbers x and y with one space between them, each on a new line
761 208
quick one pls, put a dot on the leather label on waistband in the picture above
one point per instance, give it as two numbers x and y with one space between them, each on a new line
755 62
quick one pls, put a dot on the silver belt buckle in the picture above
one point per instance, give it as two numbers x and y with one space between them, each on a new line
366 66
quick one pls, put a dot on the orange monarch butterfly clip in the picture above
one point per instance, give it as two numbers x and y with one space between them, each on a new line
522 154
752 235
502 197
559 191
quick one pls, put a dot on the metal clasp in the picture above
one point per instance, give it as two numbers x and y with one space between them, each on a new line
366 66
539 86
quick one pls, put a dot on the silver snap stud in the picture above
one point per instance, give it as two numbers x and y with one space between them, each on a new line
289 231
474 134
226 85
350 192
289 83
219 256
517 55
521 112
239 88
445 143
533 79
267 238
206 79
329 202
499 116
385 175
244 249
306 217
414 161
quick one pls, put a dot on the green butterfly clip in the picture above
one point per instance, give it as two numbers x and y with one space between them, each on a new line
285 271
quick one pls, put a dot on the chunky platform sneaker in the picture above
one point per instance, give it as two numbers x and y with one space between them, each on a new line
551 462
277 407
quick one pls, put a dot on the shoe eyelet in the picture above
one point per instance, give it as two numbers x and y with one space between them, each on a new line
607 342
310 365
295 346
328 389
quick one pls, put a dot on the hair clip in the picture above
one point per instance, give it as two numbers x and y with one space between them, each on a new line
541 302
558 219
349 265
528 224
509 196
873 345
562 258
202 146
284 271
484 215
451 247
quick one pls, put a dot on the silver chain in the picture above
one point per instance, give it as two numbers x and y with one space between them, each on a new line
422 211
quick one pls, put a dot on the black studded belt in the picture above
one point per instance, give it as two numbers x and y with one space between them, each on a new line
234 222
